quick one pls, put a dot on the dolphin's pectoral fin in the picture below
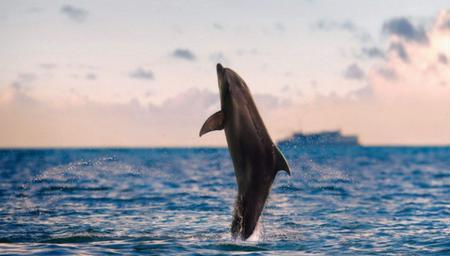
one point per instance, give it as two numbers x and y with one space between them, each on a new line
214 122
280 161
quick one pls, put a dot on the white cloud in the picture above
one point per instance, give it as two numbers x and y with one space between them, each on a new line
398 103
422 78
408 103
82 122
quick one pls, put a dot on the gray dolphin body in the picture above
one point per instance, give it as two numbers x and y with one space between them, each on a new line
256 158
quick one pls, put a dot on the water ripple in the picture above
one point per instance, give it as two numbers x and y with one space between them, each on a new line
338 201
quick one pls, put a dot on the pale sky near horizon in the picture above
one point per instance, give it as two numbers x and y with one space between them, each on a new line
142 73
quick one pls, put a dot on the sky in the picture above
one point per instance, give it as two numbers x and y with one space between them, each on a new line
142 73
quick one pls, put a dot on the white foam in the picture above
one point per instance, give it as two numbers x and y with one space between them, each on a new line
258 233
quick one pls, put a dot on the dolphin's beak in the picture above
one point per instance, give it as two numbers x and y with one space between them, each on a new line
220 75
219 69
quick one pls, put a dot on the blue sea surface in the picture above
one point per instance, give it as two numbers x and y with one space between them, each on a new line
339 201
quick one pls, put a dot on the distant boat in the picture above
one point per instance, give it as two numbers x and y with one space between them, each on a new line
321 138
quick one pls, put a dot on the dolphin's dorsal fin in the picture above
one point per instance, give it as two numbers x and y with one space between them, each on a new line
280 161
214 122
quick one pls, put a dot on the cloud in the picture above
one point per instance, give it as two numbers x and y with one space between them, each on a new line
363 93
387 73
269 101
184 54
74 13
400 102
354 72
197 99
444 20
141 73
81 121
332 25
24 79
47 65
373 52
404 102
446 25
415 72
348 26
400 50
217 26
442 59
403 28
14 94
91 76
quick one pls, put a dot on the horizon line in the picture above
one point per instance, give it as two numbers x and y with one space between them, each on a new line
215 146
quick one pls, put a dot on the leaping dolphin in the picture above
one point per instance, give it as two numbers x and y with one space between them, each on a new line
256 158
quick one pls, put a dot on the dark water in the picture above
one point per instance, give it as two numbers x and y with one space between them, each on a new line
339 200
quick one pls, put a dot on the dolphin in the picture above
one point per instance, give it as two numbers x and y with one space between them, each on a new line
256 159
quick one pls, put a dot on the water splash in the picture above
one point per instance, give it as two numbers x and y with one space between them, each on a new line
258 233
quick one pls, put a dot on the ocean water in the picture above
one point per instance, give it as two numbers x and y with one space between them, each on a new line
338 201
